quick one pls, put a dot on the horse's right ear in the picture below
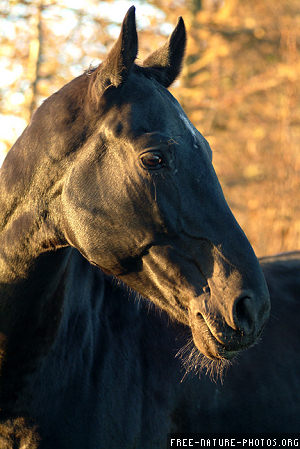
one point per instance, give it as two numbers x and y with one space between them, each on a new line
116 66
165 63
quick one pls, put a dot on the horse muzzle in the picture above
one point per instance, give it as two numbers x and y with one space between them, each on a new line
222 328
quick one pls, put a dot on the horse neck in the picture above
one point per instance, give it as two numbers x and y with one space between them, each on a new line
29 210
32 178
32 268
37 269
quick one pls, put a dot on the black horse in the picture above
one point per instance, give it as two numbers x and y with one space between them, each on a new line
111 173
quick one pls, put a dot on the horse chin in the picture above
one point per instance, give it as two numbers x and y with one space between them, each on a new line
200 358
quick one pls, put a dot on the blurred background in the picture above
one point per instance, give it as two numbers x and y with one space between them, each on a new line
239 86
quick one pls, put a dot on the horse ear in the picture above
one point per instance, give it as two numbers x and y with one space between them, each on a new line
116 66
165 63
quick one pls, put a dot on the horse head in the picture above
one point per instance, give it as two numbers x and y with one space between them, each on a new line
139 196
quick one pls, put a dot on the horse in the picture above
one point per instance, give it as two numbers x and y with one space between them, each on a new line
107 198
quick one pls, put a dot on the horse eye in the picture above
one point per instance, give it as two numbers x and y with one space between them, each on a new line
152 160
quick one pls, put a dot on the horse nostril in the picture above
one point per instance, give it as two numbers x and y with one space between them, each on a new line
244 314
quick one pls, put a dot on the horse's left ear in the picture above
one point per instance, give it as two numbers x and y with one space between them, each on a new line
166 62
116 66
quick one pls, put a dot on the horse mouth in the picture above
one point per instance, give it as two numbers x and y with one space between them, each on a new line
211 345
